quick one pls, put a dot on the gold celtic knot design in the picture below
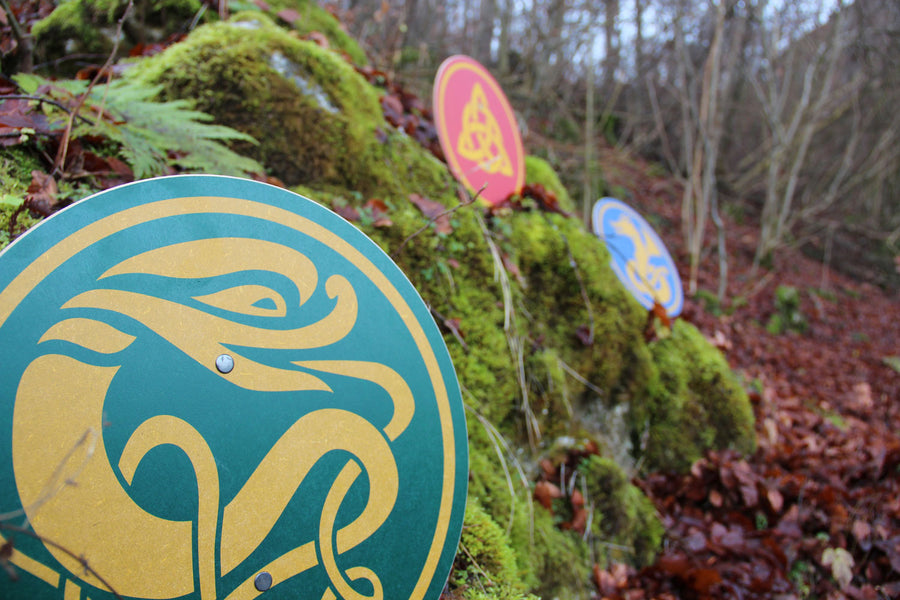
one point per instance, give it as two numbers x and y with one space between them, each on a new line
60 397
481 140
648 278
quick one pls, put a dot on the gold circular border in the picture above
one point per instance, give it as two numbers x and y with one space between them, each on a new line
74 243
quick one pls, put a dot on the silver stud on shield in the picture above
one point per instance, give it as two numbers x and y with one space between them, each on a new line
224 363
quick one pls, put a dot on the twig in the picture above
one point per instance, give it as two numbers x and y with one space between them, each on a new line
81 559
580 378
64 145
56 482
39 99
477 567
53 64
451 210
453 330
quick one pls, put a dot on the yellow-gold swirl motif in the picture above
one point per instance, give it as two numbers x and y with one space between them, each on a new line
646 277
72 515
480 139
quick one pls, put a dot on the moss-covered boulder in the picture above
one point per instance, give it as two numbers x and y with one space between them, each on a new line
692 402
485 565
318 122
624 518
538 170
88 27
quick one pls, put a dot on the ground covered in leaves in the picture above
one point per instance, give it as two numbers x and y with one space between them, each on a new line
815 512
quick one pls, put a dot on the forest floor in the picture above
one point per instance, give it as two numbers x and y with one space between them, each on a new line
815 512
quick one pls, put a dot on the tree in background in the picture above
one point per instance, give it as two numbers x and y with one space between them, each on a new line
783 112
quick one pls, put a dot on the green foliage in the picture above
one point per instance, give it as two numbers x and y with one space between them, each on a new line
153 136
610 126
788 316
803 575
893 362
710 302
567 130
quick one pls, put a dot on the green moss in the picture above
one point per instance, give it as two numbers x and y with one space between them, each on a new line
485 566
692 402
16 165
549 561
88 26
257 78
571 296
625 521
260 79
561 560
314 18
538 170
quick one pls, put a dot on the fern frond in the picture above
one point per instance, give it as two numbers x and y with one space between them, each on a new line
153 136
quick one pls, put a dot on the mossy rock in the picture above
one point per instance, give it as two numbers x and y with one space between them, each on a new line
89 26
691 402
582 319
311 18
317 120
625 521
485 566
538 170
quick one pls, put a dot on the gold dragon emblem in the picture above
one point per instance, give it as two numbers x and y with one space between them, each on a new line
62 470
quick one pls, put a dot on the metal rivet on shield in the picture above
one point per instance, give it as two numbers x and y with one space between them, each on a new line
263 581
224 363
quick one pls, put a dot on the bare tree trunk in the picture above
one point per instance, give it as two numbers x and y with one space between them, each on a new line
484 31
639 40
411 36
790 139
506 17
589 142
702 121
611 31
685 84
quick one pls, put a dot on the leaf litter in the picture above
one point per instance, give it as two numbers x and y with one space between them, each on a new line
815 511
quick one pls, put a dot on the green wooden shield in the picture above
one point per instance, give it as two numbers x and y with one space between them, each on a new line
215 388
